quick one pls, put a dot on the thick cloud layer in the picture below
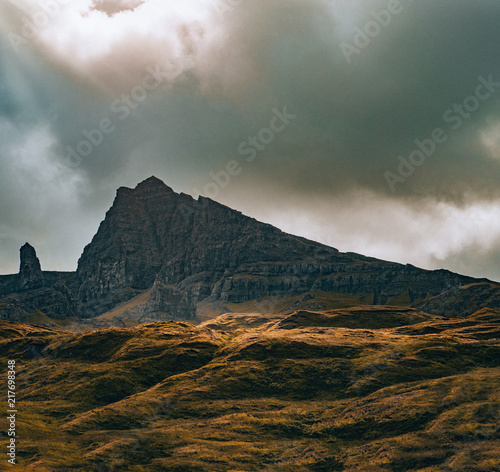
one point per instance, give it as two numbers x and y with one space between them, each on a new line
376 121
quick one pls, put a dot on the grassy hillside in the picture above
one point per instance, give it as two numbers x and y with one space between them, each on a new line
366 389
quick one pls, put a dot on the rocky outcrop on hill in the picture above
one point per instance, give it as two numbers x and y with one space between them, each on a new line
189 251
30 271
33 293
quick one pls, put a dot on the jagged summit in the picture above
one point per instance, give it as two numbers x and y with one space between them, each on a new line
153 183
151 186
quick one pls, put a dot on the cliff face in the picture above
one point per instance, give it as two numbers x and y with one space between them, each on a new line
162 254
152 233
189 251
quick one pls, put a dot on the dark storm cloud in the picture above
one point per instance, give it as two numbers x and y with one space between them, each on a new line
365 114
223 75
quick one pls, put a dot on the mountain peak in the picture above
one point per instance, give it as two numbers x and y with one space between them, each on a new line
27 247
206 254
151 187
153 183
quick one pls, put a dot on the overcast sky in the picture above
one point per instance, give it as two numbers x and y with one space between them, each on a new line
372 126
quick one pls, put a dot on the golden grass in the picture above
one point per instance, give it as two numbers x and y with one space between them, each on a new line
247 393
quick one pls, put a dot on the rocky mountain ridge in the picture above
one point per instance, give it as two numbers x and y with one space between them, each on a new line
173 255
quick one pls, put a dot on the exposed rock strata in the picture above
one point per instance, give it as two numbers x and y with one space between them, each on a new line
162 254
191 251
